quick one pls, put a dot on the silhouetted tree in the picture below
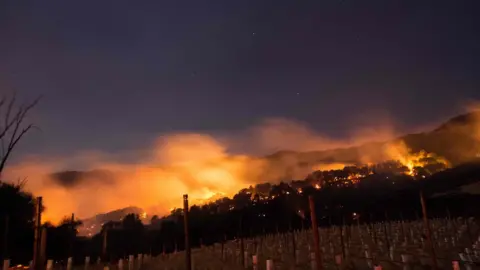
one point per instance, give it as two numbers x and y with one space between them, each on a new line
16 214
12 125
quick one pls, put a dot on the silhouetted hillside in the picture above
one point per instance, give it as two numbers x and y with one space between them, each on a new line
93 225
458 140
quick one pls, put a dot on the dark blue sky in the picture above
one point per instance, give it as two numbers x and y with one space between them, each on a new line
116 73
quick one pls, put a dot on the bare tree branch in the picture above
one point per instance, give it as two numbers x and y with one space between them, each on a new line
2 101
13 131
22 182
7 121
2 142
9 109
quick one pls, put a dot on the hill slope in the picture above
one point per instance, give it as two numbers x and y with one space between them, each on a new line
93 225
457 140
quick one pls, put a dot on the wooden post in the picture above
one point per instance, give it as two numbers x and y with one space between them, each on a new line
316 237
188 255
72 236
429 233
6 264
37 234
42 256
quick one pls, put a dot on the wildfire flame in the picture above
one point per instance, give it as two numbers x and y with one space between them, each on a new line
401 153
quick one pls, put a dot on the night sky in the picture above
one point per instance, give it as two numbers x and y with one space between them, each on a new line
114 74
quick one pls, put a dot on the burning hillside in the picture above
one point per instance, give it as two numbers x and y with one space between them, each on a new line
416 163
203 166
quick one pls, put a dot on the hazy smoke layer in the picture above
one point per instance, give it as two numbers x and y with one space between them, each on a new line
198 164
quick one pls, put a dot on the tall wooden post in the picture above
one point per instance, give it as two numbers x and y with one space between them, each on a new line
188 254
42 254
72 236
429 233
37 234
316 237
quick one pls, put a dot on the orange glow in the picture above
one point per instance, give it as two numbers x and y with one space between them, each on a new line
203 166
185 164
401 153
330 166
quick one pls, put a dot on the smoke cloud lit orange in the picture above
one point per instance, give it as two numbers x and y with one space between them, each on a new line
198 164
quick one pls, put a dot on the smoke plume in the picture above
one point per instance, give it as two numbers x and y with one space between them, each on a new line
201 165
